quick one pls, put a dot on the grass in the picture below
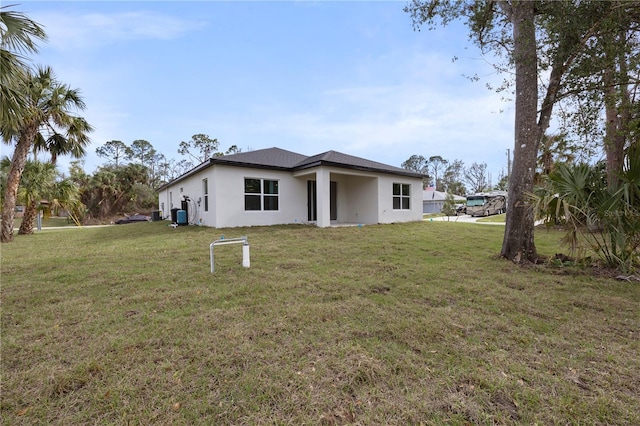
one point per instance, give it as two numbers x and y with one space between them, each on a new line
398 324
47 222
496 218
427 216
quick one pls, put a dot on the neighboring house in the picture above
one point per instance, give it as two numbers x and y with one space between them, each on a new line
273 186
433 201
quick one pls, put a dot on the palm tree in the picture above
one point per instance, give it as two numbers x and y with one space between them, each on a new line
5 163
106 193
596 216
49 106
37 182
17 38
65 195
73 142
553 150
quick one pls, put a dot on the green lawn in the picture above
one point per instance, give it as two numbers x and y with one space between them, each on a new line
47 222
496 218
398 324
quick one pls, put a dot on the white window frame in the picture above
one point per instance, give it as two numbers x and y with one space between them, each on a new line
262 194
401 197
205 193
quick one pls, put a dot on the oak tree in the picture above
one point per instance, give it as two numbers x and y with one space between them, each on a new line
526 33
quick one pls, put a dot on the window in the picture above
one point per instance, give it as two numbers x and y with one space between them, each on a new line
205 192
270 189
401 196
260 194
473 201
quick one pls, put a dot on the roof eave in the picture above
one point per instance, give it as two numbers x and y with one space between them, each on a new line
251 165
359 168
202 166
221 162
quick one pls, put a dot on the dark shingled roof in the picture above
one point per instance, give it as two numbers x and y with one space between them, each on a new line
272 158
280 159
338 159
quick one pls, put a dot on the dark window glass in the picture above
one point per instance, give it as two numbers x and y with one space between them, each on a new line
396 203
270 202
205 190
270 186
396 189
252 202
252 186
405 203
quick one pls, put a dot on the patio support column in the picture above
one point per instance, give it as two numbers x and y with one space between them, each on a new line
323 198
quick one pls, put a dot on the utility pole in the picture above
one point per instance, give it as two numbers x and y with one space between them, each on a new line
508 163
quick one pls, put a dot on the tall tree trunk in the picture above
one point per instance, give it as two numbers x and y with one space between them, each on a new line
518 244
614 137
18 161
29 218
617 109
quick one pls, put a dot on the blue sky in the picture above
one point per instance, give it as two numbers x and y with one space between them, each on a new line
304 76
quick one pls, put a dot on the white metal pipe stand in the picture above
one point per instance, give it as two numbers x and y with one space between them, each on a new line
222 241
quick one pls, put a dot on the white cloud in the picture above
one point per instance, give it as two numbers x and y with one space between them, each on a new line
403 97
81 31
382 123
376 117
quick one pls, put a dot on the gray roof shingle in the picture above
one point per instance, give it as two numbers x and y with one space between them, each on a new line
275 158
280 159
339 159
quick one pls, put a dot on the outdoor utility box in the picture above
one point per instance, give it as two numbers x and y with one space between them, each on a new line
185 207
174 215
182 217
155 215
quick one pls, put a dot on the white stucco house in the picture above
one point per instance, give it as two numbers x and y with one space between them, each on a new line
274 186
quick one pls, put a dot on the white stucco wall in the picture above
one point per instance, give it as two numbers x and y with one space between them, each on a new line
363 197
229 188
366 197
386 213
226 197
357 199
172 196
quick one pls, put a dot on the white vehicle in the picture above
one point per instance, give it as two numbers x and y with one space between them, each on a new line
486 204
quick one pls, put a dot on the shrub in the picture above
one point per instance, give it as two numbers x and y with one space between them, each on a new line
600 216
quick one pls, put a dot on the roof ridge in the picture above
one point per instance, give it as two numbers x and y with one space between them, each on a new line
282 159
274 148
